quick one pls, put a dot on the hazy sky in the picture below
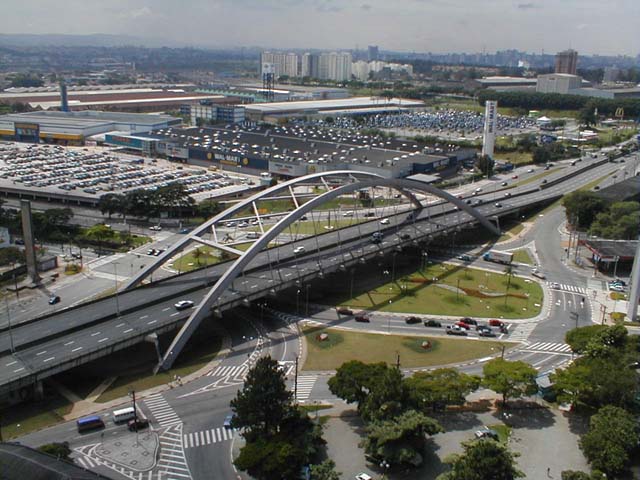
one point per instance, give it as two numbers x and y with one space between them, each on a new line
589 26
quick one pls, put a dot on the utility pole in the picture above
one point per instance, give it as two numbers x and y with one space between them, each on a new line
398 360
115 271
295 383
6 299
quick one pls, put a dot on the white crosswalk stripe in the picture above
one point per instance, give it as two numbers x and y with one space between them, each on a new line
207 437
521 331
569 288
172 463
164 414
235 371
548 347
305 385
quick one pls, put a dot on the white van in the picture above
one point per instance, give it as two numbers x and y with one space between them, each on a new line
123 415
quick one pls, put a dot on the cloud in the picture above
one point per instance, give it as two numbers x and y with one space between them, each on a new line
366 7
140 12
527 6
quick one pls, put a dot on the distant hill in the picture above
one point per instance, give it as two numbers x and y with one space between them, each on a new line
93 40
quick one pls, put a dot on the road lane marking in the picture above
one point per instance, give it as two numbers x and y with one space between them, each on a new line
165 309
48 359
103 339
12 363
120 325
174 314
41 353
69 343
151 322
143 317
76 349
18 370
96 333
129 330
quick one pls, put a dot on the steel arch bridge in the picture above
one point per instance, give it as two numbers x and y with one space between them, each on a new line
357 180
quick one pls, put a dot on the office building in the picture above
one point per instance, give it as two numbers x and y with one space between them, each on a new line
567 62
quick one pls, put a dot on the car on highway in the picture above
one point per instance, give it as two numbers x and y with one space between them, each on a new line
514 177
456 330
138 424
462 325
151 251
498 205
544 182
465 257
554 285
228 422
155 228
496 323
184 230
485 331
53 299
369 214
405 236
348 213
530 170
504 184
184 304
469 321
363 476
432 323
362 317
412 319
299 249
243 225
617 288
345 311
507 194
478 190
384 221
376 237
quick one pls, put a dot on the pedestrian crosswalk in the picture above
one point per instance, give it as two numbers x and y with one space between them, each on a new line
164 414
305 385
172 463
548 347
567 288
232 371
521 331
207 437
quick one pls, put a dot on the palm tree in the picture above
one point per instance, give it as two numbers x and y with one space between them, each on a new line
508 271
197 255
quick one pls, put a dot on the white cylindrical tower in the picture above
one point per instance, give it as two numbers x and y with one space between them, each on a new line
490 122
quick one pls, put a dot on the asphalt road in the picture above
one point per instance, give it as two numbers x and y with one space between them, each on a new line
141 314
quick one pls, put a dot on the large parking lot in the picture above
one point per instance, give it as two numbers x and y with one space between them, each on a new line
93 172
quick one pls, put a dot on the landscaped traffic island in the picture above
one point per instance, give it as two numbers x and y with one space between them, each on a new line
447 289
336 346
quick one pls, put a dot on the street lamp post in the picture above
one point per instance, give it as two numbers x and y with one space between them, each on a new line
6 299
384 464
115 271
297 301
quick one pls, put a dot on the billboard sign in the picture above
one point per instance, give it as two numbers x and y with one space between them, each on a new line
26 131
173 150
124 141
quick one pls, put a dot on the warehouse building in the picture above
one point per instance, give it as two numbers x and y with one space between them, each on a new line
322 108
253 150
73 128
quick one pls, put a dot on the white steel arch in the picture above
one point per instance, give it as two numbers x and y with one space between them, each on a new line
204 307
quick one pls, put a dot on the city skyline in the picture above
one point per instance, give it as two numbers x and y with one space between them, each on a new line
407 25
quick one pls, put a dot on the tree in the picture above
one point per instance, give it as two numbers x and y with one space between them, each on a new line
587 114
270 460
264 401
111 203
325 471
208 208
619 222
579 338
541 155
385 398
485 164
11 255
511 379
612 436
582 207
575 475
59 450
401 440
354 381
437 388
99 233
482 460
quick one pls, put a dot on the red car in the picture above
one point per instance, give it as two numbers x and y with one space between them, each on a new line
463 325
495 323
514 177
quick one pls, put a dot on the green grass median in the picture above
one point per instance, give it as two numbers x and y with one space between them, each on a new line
343 345
442 289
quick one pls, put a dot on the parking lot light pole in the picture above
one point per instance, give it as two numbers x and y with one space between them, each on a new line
115 271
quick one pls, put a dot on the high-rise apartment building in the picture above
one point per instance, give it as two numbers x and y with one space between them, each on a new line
567 62
335 66
373 53
283 63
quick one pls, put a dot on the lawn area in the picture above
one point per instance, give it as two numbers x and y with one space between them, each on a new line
503 431
511 232
344 345
522 256
192 260
28 417
434 291
139 365
517 158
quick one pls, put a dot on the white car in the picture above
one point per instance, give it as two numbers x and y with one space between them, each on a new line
184 304
537 273
155 228
555 285
363 476
299 249
530 170
384 221
348 213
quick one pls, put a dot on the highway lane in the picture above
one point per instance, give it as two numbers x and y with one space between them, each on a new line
261 282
